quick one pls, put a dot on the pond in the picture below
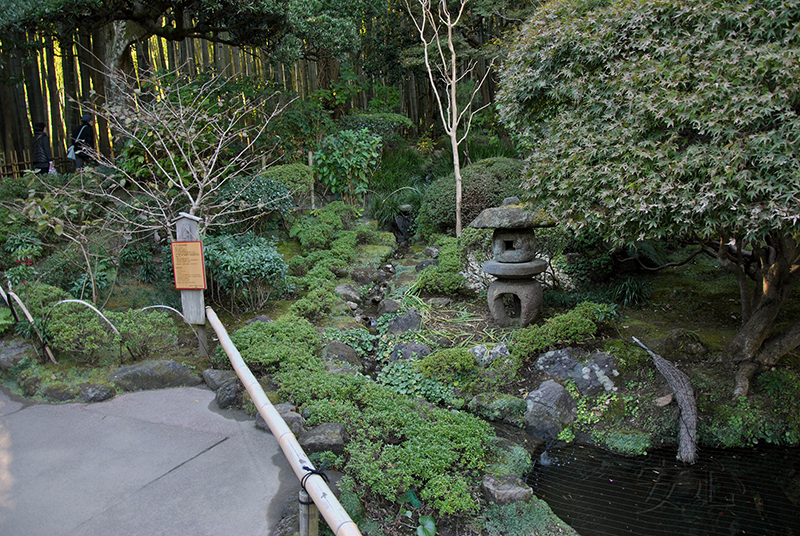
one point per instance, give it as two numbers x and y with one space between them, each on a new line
727 492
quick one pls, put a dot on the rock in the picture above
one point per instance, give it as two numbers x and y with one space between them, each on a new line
229 393
340 352
431 251
12 352
424 264
481 353
682 345
486 357
505 489
29 384
293 420
408 322
351 305
407 350
498 407
95 392
549 409
348 293
259 318
60 392
216 378
440 301
664 400
590 376
328 436
364 276
388 306
153 375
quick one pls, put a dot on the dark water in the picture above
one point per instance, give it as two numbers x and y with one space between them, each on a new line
727 492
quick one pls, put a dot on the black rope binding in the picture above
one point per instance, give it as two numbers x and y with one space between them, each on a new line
312 471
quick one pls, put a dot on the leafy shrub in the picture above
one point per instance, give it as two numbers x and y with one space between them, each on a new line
6 319
315 305
346 160
244 270
450 494
317 230
484 185
145 333
396 444
383 125
405 379
266 346
256 199
298 179
39 297
444 278
79 333
575 326
512 459
454 366
522 518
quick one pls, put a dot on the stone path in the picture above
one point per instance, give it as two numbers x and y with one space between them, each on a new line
152 462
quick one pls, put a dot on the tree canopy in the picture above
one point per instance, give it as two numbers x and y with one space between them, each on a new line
669 119
661 118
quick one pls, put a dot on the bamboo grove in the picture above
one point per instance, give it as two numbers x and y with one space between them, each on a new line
57 59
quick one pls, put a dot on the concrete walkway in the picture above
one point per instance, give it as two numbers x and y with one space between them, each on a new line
146 463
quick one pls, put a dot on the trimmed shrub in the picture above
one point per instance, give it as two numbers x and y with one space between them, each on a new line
484 185
444 278
576 326
267 346
298 179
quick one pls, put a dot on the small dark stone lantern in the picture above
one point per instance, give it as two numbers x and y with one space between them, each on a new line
514 263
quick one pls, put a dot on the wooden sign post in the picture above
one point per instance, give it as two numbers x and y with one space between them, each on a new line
190 274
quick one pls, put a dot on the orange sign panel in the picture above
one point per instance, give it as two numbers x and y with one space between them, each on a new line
188 265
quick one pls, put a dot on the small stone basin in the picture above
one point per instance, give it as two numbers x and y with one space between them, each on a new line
514 270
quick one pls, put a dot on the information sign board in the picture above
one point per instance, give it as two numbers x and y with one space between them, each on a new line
188 265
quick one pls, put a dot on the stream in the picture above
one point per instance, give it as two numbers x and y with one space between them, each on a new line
727 492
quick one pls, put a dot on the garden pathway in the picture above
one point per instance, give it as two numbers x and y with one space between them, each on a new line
152 462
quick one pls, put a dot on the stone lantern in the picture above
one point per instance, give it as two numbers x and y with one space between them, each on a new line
513 263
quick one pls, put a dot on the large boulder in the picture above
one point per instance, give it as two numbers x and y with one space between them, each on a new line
549 409
342 357
408 322
325 437
348 293
154 375
485 357
12 352
591 375
505 489
96 392
217 378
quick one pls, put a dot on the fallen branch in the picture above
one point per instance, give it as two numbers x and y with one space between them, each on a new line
682 389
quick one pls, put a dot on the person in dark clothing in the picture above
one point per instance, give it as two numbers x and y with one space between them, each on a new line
83 139
42 154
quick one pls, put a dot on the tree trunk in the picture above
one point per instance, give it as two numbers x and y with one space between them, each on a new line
751 347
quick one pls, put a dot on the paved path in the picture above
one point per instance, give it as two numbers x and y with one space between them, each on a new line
164 462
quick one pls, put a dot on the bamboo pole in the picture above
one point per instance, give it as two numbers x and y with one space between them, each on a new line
333 512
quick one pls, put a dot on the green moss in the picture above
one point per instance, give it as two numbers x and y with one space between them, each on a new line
631 442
